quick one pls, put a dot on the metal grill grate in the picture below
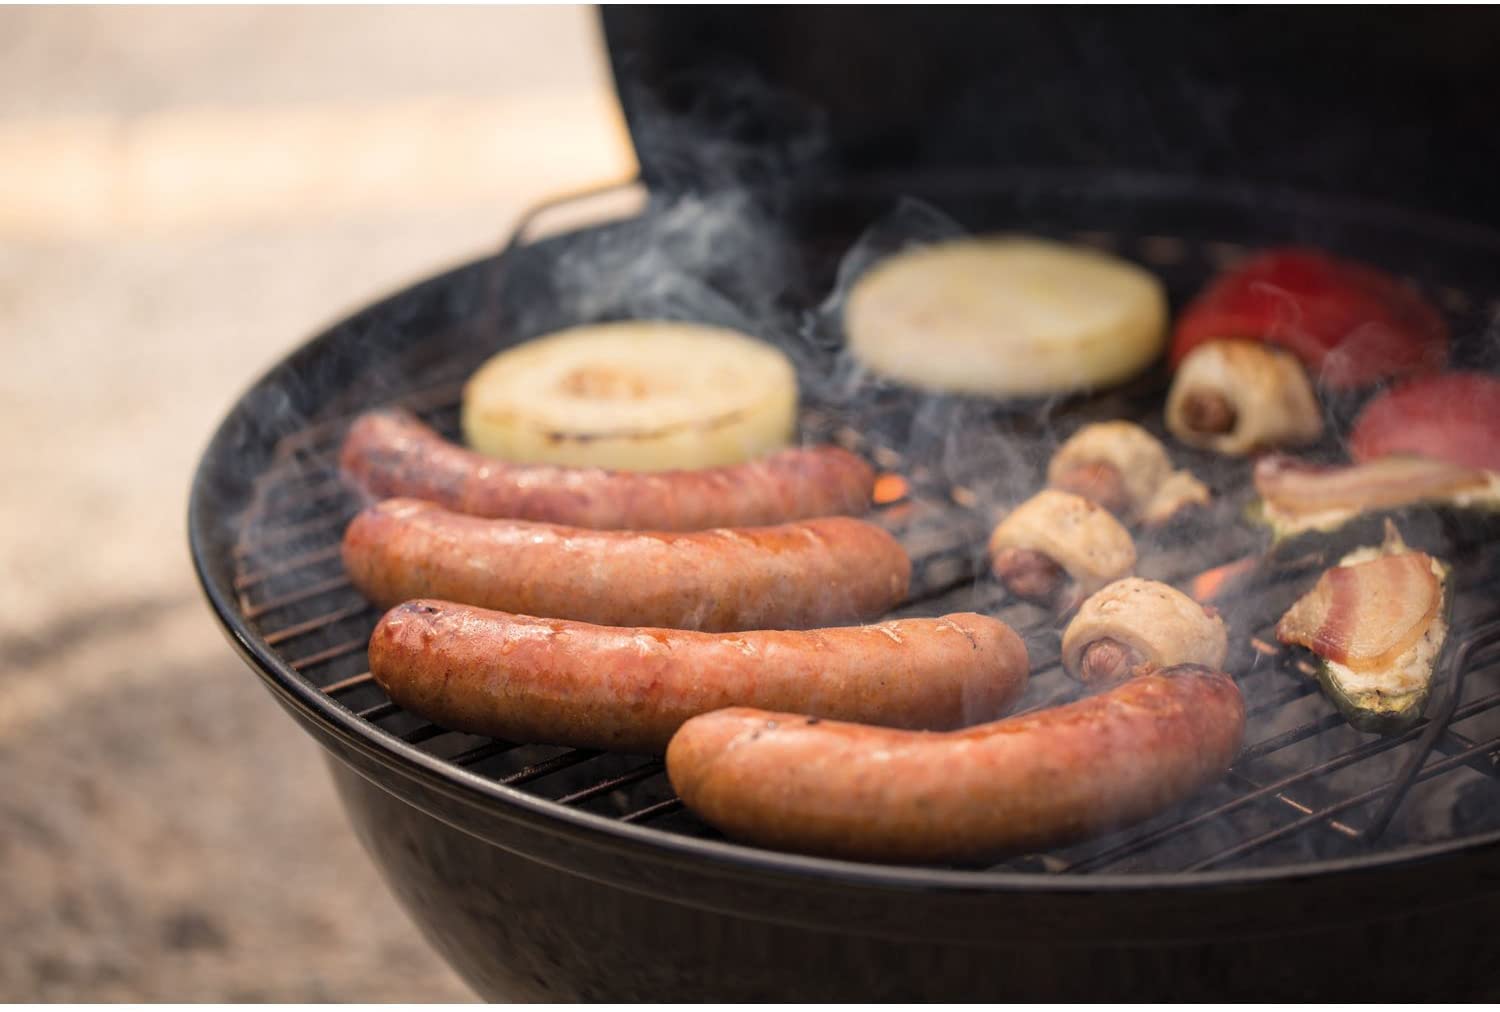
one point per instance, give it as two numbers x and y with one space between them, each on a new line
1305 786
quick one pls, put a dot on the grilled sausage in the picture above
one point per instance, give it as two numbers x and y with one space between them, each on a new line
392 453
628 689
791 576
1031 781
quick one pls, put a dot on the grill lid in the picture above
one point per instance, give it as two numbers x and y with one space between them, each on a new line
1390 105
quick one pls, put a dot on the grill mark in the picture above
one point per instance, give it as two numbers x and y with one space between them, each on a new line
948 623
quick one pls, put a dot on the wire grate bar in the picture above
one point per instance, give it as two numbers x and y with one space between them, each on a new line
294 465
480 753
1347 831
297 596
379 711
285 566
653 811
345 684
328 431
314 624
1255 843
538 770
1302 732
273 536
426 733
328 490
320 487
331 653
1289 695
1332 765
642 772
1481 640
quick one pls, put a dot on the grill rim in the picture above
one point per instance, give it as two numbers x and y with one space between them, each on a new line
405 759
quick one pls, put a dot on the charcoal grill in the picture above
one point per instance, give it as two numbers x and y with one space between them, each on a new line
1328 862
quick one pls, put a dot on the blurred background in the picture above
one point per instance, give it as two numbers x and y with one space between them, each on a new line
185 195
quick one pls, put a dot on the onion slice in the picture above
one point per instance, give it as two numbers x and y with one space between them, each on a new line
1290 486
1366 615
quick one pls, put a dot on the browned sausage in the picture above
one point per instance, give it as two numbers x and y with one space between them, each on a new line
392 453
569 683
791 576
1037 780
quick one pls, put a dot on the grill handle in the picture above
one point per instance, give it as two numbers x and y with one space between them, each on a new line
593 205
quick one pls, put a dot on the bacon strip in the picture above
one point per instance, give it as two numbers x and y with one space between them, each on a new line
1366 615
1293 486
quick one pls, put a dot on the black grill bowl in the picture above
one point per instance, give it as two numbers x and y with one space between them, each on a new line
533 899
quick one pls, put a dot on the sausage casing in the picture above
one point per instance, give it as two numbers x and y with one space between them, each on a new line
392 453
790 576
1032 781
628 689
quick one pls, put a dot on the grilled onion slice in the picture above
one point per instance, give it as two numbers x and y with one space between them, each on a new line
643 395
1006 316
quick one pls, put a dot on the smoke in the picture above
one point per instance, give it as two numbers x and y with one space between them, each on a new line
721 244
712 257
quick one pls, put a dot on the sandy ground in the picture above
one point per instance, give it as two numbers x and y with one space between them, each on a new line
184 196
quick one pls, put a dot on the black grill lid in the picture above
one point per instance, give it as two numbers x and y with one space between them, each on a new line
1394 105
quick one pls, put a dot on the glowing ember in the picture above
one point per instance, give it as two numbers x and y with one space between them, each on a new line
1210 583
889 488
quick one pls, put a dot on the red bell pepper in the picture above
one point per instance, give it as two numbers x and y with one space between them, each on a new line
1351 325
1452 416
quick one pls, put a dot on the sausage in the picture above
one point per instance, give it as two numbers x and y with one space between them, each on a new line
1133 622
628 689
1032 781
392 453
791 576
